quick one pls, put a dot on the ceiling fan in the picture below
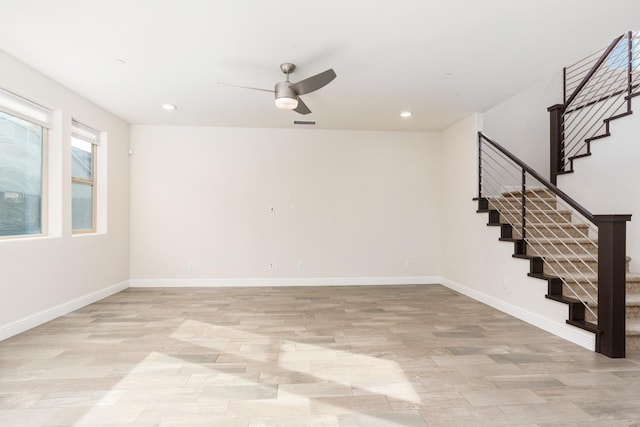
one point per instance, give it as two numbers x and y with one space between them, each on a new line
288 93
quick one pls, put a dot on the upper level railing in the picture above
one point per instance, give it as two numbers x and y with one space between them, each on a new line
597 90
576 251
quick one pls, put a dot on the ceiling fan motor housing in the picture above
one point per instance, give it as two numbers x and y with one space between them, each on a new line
286 97
284 90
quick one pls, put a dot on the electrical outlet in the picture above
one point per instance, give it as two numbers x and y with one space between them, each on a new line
272 209
505 284
300 265
271 266
191 265
408 264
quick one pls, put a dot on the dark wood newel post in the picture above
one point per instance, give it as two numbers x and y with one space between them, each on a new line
612 230
557 144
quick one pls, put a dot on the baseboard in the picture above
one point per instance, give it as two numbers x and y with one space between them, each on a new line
37 319
575 335
285 281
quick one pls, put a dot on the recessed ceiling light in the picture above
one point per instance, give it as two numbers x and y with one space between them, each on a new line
405 114
447 75
169 107
121 61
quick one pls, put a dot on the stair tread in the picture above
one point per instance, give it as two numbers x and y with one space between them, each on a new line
591 327
579 156
618 116
542 276
518 196
530 190
594 138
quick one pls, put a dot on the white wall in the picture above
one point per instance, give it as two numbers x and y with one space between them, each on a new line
43 277
352 207
521 123
474 262
607 181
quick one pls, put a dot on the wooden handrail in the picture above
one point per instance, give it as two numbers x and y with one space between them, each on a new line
604 98
594 69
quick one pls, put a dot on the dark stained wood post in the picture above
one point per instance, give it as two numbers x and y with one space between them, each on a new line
612 230
557 142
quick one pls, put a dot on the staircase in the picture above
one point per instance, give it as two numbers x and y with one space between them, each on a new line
561 251
580 255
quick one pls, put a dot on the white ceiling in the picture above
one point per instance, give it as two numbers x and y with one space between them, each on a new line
389 55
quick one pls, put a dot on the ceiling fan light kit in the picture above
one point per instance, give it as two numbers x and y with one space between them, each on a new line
287 103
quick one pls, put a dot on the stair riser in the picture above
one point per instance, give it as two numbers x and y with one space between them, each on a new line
581 292
631 312
632 343
586 267
535 216
562 268
631 288
553 232
559 248
513 204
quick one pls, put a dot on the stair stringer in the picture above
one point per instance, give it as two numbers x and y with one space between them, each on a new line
508 233
524 296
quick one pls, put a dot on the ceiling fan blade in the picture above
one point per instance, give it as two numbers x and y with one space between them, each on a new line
302 107
314 83
246 87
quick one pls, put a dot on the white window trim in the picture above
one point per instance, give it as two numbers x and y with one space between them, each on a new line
92 136
22 108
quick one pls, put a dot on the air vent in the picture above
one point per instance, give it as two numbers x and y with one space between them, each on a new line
305 122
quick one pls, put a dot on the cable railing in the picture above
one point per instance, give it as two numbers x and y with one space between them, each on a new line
597 90
532 211
559 236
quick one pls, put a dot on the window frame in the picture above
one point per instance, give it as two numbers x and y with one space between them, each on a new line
89 135
24 109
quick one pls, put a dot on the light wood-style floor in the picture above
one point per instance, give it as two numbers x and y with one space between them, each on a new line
306 356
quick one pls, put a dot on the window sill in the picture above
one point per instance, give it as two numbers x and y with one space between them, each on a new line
27 238
87 233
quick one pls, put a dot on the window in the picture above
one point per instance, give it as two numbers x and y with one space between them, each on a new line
84 141
23 139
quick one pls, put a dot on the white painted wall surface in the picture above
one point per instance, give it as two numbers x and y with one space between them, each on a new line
607 181
474 261
521 123
43 277
349 207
